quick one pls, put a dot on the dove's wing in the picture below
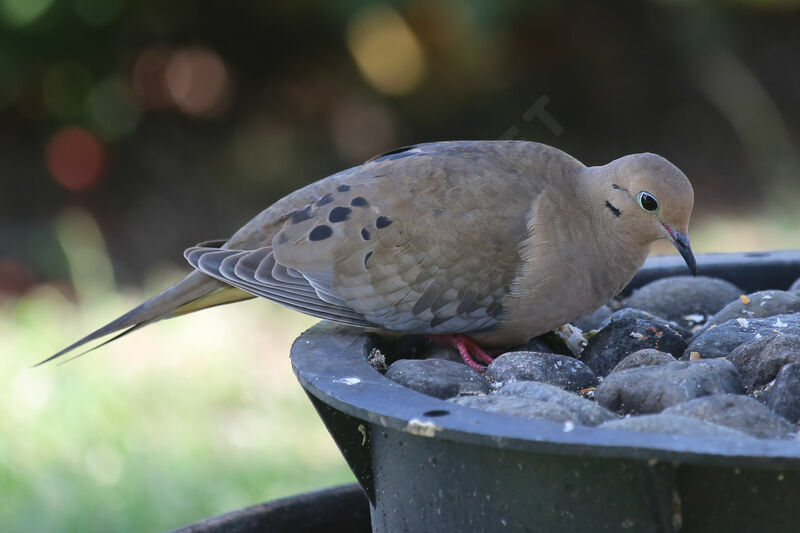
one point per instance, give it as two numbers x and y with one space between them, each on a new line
423 240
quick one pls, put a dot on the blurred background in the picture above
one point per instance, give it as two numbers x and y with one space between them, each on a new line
130 130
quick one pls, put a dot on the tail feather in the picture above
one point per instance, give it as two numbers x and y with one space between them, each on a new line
93 348
194 292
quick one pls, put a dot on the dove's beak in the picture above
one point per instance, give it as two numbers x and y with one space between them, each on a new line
681 242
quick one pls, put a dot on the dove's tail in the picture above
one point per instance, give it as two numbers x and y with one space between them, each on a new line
194 292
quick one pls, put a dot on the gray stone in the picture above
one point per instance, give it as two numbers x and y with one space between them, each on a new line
560 370
738 412
646 357
759 305
722 339
623 337
438 350
517 406
651 389
686 300
584 411
536 344
784 398
630 312
437 377
593 320
759 360
675 425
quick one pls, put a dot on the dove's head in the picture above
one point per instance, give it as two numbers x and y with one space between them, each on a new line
652 198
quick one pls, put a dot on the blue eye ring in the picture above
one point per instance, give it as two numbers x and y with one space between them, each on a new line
647 201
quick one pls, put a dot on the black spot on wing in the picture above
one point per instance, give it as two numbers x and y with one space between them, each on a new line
328 198
343 188
339 214
619 187
320 233
301 215
359 201
613 209
366 258
365 234
382 222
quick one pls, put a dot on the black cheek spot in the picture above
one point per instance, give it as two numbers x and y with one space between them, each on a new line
343 188
366 258
365 234
328 198
339 214
613 209
359 201
301 215
320 233
383 222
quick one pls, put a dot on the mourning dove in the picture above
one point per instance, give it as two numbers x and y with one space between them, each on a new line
475 243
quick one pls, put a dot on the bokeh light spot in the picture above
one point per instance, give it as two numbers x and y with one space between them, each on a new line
385 49
64 89
112 108
23 12
263 147
16 278
362 129
75 158
149 84
198 81
98 12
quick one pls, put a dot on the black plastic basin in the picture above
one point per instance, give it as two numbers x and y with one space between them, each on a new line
429 465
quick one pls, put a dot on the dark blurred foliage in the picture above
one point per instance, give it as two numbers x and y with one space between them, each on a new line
173 122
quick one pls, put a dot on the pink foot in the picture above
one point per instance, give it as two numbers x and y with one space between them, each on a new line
467 348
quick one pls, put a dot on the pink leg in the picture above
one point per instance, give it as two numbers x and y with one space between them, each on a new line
467 349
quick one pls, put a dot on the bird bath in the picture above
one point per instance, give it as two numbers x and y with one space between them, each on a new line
429 465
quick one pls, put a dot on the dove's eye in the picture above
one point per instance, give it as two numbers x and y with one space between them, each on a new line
647 201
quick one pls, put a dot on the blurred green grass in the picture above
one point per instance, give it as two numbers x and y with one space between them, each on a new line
182 420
